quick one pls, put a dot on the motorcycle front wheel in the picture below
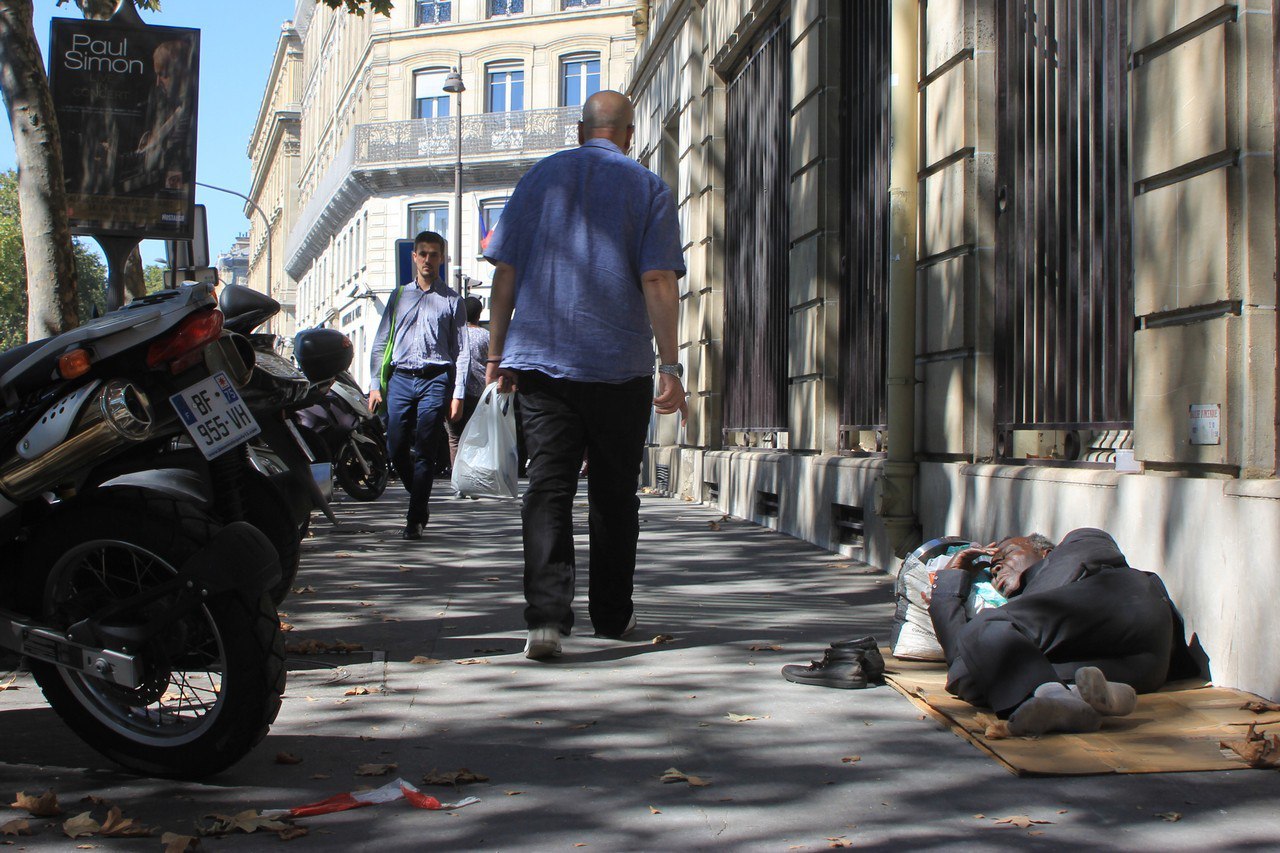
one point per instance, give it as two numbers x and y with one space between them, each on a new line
212 678
351 476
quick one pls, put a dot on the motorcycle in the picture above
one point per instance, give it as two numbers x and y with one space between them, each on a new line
141 607
343 429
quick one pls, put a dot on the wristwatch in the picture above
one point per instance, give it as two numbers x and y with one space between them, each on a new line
676 370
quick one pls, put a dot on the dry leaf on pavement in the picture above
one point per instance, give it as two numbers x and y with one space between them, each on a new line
302 590
1171 817
671 775
118 826
652 810
357 691
376 769
761 647
585 725
424 661
1021 821
293 832
175 843
470 661
249 820
461 776
714 525
9 685
17 826
663 638
81 825
287 758
742 718
37 805
851 759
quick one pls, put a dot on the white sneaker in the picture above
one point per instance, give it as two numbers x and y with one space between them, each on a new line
543 643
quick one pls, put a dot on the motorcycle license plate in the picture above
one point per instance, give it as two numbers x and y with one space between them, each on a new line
214 415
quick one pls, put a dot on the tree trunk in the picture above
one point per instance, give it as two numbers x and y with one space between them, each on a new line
52 302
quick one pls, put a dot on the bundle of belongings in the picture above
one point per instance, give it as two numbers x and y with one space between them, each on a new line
913 636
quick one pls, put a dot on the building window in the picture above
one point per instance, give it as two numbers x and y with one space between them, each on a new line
434 11
579 78
505 7
430 100
429 217
490 213
579 4
504 87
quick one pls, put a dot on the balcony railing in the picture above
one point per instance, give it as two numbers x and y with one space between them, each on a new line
527 133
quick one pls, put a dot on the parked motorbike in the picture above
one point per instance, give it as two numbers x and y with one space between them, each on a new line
141 606
352 437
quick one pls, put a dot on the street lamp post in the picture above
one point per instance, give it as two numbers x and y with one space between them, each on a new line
454 86
265 221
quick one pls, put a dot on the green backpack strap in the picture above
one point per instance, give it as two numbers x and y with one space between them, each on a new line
384 372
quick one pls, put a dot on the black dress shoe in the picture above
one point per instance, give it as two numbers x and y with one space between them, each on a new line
412 530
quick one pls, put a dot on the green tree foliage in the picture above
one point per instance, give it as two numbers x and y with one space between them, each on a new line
90 269
153 275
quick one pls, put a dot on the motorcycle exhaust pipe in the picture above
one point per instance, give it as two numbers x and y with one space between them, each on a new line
118 415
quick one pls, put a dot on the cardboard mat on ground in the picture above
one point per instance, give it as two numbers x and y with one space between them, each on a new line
1180 728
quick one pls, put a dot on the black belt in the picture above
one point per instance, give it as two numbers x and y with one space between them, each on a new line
424 372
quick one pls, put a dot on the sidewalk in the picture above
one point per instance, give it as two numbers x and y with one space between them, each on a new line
574 748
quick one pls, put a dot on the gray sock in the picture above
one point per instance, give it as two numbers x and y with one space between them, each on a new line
1053 708
1109 698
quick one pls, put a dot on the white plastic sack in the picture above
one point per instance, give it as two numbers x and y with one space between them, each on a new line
487 465
914 638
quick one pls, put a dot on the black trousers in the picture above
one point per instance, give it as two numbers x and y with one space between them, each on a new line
1115 618
561 419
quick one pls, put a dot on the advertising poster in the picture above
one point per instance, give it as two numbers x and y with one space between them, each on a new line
125 97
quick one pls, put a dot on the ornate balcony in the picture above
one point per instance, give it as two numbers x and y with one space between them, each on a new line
418 156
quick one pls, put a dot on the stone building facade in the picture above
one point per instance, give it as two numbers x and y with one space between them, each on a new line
373 137
981 267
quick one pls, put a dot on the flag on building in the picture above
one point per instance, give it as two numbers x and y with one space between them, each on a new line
486 233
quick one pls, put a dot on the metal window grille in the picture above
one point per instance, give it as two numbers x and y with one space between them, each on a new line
1064 290
434 11
505 7
577 4
864 266
757 189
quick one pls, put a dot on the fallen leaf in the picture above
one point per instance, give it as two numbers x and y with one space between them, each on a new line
760 647
851 759
287 758
17 826
357 691
10 685
38 805
405 569
390 618
301 590
118 826
1257 750
671 775
741 718
513 793
175 843
839 841
80 825
1036 832
249 820
586 725
286 627
375 769
714 525
293 832
1261 707
579 844
1062 811
979 817
365 603
424 661
652 810
1171 817
470 661
343 554
663 638
461 776
490 580
1021 821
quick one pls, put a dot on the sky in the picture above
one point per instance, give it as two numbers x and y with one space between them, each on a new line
237 42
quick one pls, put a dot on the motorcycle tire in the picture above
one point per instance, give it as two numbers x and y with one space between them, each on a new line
352 478
214 677
267 508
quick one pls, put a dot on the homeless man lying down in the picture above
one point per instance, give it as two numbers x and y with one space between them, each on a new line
1076 613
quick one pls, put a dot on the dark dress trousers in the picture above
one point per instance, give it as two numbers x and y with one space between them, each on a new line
1082 605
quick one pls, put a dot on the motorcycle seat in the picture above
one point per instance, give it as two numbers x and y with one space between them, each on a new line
32 378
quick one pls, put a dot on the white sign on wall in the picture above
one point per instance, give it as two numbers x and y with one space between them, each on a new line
1205 420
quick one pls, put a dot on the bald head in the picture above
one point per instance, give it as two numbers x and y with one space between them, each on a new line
607 115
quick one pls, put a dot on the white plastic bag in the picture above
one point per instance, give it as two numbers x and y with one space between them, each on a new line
487 465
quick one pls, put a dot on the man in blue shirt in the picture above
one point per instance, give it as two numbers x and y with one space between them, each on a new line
588 258
430 365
